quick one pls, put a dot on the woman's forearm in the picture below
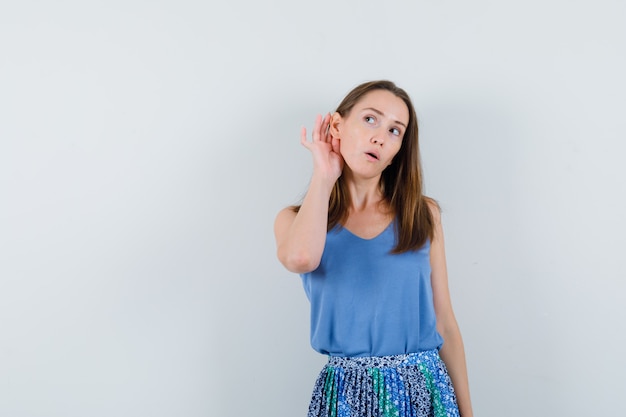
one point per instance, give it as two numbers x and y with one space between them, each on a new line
302 244
453 354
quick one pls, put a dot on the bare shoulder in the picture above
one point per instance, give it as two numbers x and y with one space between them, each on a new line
435 210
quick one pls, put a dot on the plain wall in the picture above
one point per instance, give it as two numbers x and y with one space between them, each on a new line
146 146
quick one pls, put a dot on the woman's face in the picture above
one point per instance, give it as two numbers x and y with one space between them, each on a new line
371 134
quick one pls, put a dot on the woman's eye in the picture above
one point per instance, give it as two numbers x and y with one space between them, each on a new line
369 119
395 131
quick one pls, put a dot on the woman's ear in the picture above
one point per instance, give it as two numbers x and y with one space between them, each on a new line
335 125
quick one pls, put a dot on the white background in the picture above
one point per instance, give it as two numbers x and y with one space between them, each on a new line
146 146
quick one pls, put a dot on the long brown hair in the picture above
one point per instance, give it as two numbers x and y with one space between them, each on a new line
401 182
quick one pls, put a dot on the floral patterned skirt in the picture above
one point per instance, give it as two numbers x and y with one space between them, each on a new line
411 385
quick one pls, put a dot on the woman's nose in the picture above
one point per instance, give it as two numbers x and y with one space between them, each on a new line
378 137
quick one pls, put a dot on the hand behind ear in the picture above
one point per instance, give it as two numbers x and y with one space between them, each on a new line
327 161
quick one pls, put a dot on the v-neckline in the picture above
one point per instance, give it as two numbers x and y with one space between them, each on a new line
371 238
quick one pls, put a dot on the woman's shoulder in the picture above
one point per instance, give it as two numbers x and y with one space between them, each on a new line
435 209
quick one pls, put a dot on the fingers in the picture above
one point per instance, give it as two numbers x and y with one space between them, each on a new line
317 128
326 128
303 139
321 131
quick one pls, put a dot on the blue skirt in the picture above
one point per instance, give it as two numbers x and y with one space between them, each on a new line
411 385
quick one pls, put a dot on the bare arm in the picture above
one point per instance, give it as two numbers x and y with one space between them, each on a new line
300 237
452 351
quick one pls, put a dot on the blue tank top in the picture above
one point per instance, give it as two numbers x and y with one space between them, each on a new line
366 301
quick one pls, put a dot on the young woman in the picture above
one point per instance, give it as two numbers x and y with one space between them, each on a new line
369 248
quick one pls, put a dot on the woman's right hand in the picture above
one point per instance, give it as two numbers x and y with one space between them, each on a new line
327 160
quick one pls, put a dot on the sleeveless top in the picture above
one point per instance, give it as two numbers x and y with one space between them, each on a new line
366 301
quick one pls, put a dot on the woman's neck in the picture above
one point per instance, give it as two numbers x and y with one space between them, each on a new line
365 194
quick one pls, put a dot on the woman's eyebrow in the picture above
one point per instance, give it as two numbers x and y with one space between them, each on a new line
382 114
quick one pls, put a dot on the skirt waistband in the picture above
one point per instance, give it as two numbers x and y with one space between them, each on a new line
392 361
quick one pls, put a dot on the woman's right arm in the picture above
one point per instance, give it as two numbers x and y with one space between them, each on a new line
300 237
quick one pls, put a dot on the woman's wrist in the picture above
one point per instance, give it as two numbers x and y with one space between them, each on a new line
323 181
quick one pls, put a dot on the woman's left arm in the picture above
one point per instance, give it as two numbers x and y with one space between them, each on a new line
452 352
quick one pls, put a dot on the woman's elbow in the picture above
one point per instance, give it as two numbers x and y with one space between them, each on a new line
298 262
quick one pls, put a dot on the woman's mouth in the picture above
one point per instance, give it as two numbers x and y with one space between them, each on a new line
372 155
